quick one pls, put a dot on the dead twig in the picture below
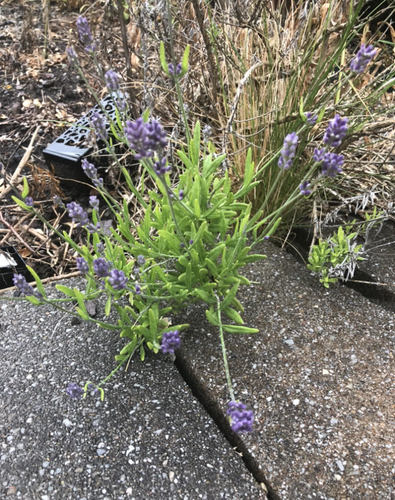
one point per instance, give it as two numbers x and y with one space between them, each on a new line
22 163
15 233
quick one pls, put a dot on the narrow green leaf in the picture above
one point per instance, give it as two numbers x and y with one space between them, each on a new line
66 290
162 57
25 190
239 329
39 284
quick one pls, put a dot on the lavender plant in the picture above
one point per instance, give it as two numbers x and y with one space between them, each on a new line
194 237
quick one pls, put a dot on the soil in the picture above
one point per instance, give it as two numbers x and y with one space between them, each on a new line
45 92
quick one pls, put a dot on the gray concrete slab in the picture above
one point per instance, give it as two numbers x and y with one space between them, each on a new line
318 377
150 438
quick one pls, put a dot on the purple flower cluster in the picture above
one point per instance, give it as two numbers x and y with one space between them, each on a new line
241 418
85 35
22 285
161 166
174 71
117 279
94 202
99 124
78 214
82 265
336 131
101 267
363 58
288 151
91 171
112 80
74 391
71 55
170 341
331 164
29 201
305 188
311 118
145 138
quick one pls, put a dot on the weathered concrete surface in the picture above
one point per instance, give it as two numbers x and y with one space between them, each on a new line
150 438
318 377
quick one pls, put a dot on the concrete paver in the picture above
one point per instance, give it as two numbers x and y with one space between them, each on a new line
318 377
150 438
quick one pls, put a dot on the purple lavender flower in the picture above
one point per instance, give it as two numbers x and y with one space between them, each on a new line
82 265
29 201
288 151
78 214
156 134
58 201
22 285
170 341
100 247
181 194
71 55
137 289
175 71
85 35
140 260
101 267
89 169
94 202
363 58
145 138
311 118
112 80
305 188
336 131
318 154
161 166
74 391
98 182
241 418
331 164
117 279
99 124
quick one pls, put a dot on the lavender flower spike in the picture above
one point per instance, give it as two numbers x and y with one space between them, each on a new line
363 58
74 391
112 80
22 285
117 279
145 138
288 151
77 213
336 131
241 418
305 188
170 341
82 265
331 164
99 124
101 267
89 169
311 118
85 35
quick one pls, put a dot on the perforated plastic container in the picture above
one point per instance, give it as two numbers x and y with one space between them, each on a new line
75 143
11 263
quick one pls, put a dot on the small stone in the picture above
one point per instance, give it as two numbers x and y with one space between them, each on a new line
325 372
295 402
171 476
67 422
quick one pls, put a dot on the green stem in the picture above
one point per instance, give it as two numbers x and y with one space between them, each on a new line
225 358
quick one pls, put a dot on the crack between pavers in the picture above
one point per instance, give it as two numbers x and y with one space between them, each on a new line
203 395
